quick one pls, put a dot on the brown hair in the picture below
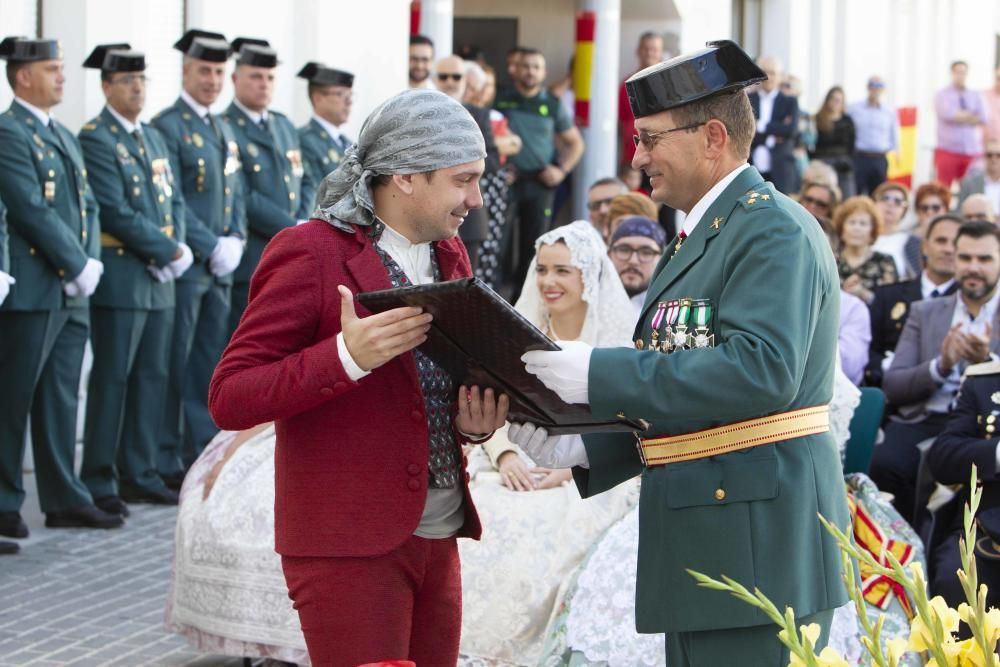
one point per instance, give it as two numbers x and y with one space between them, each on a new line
631 203
853 205
933 189
732 109
824 117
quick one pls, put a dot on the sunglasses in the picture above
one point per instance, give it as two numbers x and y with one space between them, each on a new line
889 199
806 199
453 77
930 208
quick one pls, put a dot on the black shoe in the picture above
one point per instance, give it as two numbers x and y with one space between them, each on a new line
85 516
9 548
112 505
134 494
173 480
11 525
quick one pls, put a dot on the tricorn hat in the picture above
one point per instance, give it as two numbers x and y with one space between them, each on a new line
204 45
115 58
722 66
254 52
321 75
24 50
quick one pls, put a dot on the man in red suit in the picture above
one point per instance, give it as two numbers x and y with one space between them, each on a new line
370 486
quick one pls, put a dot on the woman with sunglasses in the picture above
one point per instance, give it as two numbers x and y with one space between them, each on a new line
892 200
862 268
931 200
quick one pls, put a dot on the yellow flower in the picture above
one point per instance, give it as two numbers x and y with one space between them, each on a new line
895 648
827 658
921 638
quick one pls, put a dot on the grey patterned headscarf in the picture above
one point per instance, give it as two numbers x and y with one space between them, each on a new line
413 132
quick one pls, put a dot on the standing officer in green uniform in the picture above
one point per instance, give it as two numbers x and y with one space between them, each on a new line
205 161
53 246
272 161
323 143
142 234
739 326
6 280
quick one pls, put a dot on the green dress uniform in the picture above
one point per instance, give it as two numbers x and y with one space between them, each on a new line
53 229
740 322
142 222
205 160
321 154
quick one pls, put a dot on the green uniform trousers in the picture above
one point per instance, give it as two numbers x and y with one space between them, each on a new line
41 356
125 398
238 300
200 332
754 646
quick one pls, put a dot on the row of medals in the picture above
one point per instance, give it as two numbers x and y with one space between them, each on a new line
670 330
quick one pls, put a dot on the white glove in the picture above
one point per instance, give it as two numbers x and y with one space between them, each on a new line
182 263
85 283
226 256
548 451
163 275
564 372
6 280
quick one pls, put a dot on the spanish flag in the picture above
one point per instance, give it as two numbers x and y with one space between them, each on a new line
583 66
901 170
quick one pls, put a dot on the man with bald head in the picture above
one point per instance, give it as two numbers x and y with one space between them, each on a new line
987 180
776 115
978 207
449 76
877 132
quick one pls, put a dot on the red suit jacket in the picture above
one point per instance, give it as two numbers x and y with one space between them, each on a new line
351 457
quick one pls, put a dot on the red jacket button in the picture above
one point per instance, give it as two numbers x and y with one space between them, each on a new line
416 415
326 391
339 385
414 485
413 468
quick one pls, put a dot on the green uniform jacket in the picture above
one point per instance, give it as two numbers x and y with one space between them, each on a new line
320 155
142 213
272 180
767 269
4 240
206 164
52 214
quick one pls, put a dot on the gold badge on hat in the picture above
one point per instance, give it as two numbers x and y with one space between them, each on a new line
196 138
898 310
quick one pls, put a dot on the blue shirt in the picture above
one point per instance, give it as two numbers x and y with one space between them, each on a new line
876 127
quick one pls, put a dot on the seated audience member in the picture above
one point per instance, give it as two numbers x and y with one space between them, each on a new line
635 249
931 200
599 197
978 207
892 200
862 269
984 181
630 203
970 438
818 171
820 199
853 336
892 302
941 338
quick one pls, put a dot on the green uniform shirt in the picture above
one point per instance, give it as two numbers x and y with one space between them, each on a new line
537 120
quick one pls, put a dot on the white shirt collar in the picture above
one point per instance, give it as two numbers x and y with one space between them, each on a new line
768 96
42 116
926 286
699 209
129 126
254 115
330 128
987 311
199 109
397 240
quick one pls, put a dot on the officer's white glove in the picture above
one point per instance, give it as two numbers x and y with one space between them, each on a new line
226 256
6 280
85 283
182 263
565 372
164 275
548 451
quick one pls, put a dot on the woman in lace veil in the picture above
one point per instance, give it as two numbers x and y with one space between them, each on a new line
535 515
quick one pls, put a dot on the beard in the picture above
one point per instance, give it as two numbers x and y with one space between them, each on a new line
977 293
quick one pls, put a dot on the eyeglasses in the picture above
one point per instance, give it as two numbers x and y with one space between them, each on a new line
930 208
598 203
889 199
623 253
806 199
444 76
990 156
129 79
648 139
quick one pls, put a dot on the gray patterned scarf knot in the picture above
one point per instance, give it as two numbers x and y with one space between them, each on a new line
414 132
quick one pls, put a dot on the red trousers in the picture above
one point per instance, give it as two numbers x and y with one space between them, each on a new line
405 605
951 166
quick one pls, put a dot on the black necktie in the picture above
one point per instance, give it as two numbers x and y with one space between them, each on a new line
215 128
137 135
263 123
935 293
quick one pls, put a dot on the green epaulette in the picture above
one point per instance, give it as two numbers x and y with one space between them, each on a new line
759 198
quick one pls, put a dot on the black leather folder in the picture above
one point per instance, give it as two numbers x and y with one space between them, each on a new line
478 339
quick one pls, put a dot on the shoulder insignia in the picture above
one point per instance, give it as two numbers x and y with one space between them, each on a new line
90 127
717 222
985 368
898 310
756 198
186 115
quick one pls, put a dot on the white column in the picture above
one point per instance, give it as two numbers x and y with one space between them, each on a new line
69 21
601 138
437 21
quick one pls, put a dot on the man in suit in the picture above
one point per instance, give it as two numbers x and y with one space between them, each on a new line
716 346
132 311
986 181
968 439
44 322
941 338
777 120
272 161
323 143
205 161
367 528
892 302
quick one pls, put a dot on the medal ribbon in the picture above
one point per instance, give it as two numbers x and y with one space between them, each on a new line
661 309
